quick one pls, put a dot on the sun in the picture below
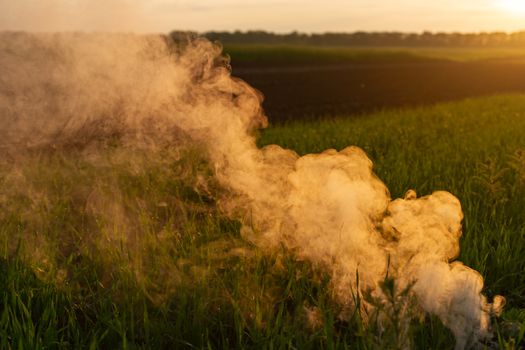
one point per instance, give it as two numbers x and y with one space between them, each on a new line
515 6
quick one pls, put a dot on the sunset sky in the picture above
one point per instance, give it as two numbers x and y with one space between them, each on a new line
271 15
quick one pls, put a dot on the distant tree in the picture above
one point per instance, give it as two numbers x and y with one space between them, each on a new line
362 38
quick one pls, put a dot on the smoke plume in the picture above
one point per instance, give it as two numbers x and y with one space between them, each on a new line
330 209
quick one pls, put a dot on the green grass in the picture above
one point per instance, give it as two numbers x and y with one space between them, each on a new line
310 54
128 250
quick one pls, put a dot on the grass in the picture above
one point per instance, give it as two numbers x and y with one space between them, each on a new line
128 250
310 54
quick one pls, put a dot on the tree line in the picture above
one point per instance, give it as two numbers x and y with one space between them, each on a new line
360 38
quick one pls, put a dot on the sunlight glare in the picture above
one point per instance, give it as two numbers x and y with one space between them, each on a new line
515 6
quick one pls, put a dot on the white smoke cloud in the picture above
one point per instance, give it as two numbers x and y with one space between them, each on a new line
329 209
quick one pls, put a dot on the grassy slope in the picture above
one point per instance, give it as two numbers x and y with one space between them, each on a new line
470 148
310 54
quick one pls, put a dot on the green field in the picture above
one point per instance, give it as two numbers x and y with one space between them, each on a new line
310 54
112 251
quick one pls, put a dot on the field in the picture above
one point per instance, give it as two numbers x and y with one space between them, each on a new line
161 267
243 54
308 82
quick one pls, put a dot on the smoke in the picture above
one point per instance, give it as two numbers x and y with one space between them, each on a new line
78 91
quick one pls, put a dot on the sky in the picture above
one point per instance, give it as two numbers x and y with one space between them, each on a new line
153 16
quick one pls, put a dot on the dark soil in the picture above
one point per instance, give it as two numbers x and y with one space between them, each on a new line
313 91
